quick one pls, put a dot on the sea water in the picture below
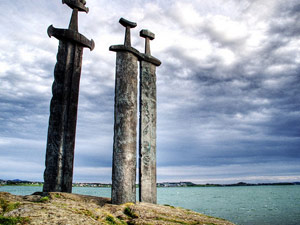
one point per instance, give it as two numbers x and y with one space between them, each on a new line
247 205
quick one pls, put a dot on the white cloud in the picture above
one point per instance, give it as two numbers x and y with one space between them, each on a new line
227 87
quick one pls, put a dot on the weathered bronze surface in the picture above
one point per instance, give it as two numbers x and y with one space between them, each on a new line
124 147
147 123
58 175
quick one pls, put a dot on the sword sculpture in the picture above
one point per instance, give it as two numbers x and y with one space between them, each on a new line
147 139
58 175
124 147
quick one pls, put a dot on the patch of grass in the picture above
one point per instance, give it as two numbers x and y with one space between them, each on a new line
129 212
13 220
6 206
89 213
110 220
44 199
120 220
57 196
85 212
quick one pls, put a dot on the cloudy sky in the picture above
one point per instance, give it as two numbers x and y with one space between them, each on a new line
228 87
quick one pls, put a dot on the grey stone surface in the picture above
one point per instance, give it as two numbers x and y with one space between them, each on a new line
147 123
147 143
124 147
58 175
62 123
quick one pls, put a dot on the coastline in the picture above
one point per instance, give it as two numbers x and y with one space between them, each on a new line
18 182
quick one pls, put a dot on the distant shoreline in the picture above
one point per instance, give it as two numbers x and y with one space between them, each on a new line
164 184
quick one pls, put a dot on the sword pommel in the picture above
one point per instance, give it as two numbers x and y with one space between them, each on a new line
147 34
127 23
76 4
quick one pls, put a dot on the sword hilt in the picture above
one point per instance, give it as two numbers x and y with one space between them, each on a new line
71 35
148 35
128 24
76 4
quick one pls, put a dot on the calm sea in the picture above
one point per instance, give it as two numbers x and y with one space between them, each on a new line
254 205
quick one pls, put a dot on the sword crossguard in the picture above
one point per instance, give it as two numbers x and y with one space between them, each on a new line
148 35
70 35
128 25
76 4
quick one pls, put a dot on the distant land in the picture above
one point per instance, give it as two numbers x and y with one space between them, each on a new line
163 184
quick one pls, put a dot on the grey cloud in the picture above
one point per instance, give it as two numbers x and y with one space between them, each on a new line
220 100
213 115
286 20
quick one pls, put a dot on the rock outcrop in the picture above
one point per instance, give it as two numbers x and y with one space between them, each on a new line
64 208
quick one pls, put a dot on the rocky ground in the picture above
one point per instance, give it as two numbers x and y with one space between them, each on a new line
71 209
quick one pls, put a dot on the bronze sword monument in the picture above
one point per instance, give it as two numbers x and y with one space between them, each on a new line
58 175
124 146
147 123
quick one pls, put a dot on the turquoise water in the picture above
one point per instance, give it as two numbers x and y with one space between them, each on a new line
263 205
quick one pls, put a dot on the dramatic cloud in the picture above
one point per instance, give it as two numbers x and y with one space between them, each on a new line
228 87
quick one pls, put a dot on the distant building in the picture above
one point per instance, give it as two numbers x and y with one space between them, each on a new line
175 184
3 182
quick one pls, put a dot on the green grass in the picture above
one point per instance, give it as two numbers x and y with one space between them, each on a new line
57 196
44 199
86 213
110 220
128 212
4 220
6 206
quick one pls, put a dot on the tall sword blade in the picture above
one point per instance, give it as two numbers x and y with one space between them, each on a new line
147 143
124 147
63 116
147 123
